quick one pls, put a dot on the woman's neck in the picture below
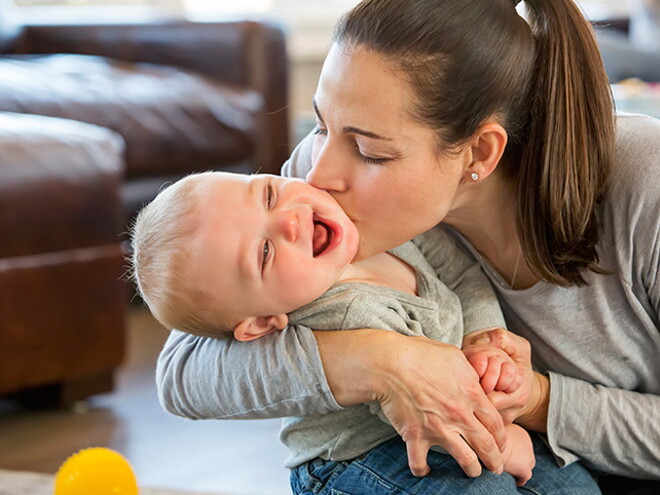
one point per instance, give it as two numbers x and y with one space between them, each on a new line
485 214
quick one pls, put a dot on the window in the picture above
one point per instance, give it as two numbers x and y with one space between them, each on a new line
289 10
31 3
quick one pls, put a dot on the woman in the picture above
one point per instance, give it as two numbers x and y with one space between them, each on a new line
460 111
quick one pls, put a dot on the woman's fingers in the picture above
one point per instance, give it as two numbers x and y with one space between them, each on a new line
514 345
427 408
418 451
485 445
464 455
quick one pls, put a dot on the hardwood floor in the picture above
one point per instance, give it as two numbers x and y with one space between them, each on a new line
234 457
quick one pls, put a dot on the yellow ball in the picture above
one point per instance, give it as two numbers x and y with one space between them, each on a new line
96 471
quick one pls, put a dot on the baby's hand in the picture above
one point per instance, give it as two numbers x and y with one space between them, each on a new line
495 368
518 455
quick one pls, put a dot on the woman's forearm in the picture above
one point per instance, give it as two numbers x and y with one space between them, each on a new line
356 362
612 430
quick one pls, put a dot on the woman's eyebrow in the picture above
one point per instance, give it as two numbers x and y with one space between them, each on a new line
362 132
353 130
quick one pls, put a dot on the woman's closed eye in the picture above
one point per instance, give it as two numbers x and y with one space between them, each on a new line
320 131
372 160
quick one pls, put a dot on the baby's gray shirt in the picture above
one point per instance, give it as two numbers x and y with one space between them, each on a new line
435 313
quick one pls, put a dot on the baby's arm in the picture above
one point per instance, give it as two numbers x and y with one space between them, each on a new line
518 455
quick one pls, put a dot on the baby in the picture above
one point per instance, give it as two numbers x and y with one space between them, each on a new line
222 255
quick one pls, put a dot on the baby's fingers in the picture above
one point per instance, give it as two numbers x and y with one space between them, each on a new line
479 362
491 376
510 380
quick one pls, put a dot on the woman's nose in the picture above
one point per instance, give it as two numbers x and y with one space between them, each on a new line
327 171
288 225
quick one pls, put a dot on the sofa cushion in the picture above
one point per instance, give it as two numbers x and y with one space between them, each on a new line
59 185
173 121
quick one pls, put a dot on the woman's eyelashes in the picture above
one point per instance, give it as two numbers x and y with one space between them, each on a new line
319 131
371 160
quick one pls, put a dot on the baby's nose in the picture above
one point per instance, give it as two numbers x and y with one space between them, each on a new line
289 225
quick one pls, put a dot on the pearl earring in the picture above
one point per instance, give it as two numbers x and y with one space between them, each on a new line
474 176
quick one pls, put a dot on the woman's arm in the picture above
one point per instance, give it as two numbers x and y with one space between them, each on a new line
283 375
278 375
614 431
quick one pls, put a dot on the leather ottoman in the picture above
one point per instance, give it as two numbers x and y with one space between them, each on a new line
62 303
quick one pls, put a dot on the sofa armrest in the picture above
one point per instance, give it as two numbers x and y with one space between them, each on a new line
248 54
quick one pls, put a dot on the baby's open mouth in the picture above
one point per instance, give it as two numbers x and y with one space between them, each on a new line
322 237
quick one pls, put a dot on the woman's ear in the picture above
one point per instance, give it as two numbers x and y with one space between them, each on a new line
254 327
487 146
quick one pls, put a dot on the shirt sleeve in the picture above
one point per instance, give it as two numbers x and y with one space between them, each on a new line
278 375
614 431
275 376
462 275
300 162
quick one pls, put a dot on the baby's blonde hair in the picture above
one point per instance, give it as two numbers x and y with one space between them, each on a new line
161 255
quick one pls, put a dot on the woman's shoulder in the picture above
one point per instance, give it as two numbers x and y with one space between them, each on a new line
631 207
636 168
637 154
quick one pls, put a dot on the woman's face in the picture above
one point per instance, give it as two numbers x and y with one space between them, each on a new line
381 165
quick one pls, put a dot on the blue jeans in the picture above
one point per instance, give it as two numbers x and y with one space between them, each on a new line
384 470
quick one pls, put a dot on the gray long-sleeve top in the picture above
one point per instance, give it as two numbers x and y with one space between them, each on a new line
599 344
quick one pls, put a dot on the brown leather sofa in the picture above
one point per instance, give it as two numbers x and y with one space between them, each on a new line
163 100
184 96
62 303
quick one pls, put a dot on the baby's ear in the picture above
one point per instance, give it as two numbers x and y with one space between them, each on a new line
254 327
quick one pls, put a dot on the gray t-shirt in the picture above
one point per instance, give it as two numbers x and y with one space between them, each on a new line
435 313
601 342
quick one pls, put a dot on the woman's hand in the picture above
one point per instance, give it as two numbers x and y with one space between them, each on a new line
428 391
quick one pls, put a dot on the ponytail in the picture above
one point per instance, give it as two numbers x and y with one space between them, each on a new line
569 146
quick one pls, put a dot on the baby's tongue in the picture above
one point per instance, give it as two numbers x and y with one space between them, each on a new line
320 238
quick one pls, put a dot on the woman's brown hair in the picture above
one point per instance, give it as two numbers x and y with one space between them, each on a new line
543 79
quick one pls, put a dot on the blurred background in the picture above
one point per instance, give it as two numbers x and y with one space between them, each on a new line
101 103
